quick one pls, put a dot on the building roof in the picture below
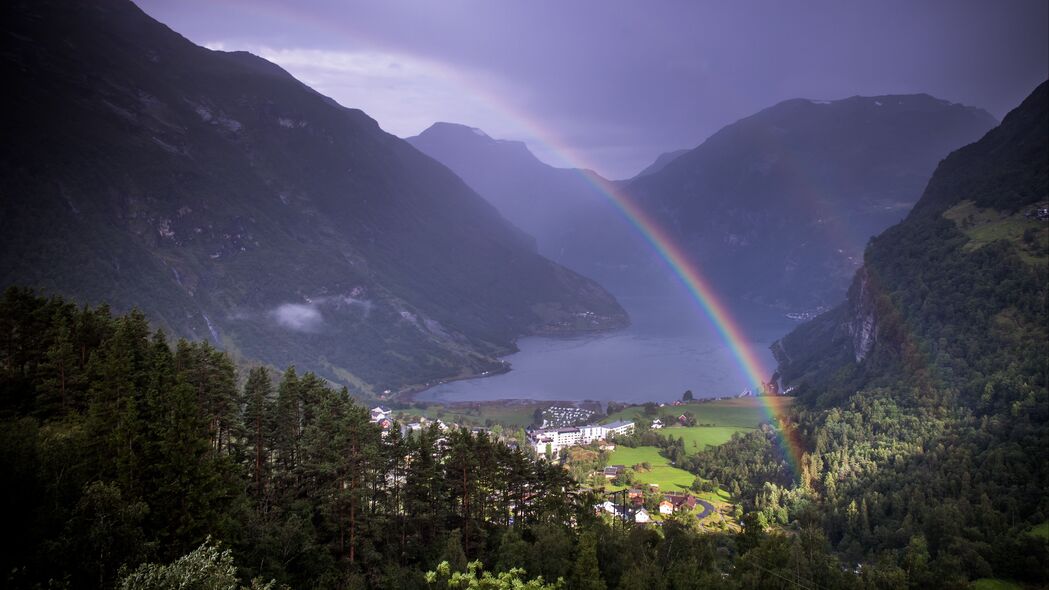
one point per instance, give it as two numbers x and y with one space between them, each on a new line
618 424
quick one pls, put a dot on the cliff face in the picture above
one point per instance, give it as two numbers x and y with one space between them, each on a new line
957 290
862 324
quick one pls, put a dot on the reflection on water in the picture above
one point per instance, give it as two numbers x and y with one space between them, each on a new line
671 347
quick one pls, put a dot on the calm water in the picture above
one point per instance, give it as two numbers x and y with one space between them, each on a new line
670 347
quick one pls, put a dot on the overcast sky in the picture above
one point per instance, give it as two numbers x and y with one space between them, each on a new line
611 84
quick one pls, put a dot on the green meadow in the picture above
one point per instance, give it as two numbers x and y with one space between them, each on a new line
697 438
993 584
668 477
743 412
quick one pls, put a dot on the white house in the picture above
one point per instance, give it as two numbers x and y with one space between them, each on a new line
642 516
379 413
556 439
657 424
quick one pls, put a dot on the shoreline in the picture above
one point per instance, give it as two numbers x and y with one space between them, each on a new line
409 393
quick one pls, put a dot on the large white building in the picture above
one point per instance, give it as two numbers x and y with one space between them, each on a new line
555 439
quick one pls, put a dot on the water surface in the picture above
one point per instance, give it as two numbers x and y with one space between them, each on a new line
669 348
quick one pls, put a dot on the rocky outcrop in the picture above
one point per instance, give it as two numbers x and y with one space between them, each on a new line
862 320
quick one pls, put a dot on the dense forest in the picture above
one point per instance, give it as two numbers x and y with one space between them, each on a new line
130 460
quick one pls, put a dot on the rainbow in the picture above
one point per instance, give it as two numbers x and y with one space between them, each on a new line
675 257
679 263
701 291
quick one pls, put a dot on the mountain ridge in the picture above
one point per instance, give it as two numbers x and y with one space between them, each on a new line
229 200
778 206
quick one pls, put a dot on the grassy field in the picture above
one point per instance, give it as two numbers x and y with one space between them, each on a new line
697 438
741 412
993 584
1041 530
984 226
668 477
507 414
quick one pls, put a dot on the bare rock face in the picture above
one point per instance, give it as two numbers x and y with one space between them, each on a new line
862 322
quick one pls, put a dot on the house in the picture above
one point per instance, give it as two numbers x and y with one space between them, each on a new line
682 419
657 424
613 470
606 446
681 501
642 516
379 413
633 493
666 507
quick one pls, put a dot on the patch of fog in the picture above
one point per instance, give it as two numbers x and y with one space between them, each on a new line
478 132
298 317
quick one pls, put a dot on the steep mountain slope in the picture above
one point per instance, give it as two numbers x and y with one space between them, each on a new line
566 209
661 162
778 207
229 200
955 293
922 418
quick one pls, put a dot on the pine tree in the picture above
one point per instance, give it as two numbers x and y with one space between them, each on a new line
586 575
258 418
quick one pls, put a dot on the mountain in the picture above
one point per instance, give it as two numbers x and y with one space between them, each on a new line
661 162
230 201
956 292
921 412
527 191
778 207
566 209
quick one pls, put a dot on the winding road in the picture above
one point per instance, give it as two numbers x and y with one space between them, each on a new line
707 509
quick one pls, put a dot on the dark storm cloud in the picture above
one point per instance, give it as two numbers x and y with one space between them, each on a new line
620 82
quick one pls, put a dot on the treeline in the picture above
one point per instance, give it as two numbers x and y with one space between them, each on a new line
120 448
124 453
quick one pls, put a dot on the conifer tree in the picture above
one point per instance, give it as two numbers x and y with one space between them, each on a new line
586 575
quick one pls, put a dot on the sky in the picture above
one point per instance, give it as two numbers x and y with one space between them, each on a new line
611 84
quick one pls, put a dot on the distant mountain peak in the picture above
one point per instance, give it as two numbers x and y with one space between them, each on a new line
445 128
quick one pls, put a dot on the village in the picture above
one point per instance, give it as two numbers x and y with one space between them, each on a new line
634 483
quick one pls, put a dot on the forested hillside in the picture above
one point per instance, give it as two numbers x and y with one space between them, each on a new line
923 409
125 453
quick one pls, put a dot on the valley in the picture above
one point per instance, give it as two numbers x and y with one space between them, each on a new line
483 337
